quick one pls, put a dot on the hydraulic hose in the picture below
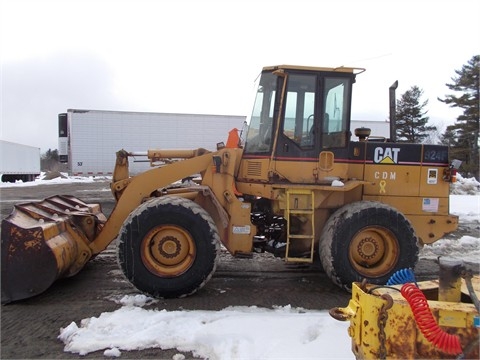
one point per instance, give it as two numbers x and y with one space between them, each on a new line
467 275
446 342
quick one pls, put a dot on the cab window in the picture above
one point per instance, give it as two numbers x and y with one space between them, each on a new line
299 121
335 122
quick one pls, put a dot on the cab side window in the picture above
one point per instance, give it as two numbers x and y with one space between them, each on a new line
335 122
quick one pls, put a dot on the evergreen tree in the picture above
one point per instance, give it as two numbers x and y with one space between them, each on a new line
462 137
411 122
49 160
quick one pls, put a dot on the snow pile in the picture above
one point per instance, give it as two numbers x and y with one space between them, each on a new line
232 333
466 249
55 178
465 186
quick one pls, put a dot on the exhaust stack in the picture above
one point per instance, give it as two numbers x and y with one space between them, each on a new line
393 128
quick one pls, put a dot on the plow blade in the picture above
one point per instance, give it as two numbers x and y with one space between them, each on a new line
45 241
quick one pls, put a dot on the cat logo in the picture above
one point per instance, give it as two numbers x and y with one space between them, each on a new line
386 155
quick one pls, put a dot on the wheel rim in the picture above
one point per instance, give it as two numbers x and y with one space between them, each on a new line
373 251
168 250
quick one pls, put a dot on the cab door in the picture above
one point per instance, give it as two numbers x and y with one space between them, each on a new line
316 119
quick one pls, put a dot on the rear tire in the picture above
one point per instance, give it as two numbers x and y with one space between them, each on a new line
367 240
168 247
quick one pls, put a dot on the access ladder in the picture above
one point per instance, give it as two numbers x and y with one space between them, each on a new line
300 203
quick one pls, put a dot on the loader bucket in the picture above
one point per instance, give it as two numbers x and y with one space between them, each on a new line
45 241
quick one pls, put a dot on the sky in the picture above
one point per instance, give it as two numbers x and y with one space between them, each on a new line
179 55
298 333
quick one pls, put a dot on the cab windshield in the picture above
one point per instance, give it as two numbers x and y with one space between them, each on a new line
260 129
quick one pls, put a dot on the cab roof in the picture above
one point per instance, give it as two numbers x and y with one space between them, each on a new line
353 70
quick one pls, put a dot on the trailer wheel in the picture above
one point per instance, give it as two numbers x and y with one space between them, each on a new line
367 240
168 247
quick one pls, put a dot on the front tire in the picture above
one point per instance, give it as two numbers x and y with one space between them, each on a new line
367 240
168 247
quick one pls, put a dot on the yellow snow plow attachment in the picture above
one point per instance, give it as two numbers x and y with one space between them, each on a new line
45 241
436 319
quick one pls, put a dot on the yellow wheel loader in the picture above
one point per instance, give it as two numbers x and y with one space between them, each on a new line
297 186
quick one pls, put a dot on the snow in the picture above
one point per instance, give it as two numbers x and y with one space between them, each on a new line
246 332
63 178
231 333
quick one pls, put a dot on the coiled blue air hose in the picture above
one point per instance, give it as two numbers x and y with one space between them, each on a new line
402 276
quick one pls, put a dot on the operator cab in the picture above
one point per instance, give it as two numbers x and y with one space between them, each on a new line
299 112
